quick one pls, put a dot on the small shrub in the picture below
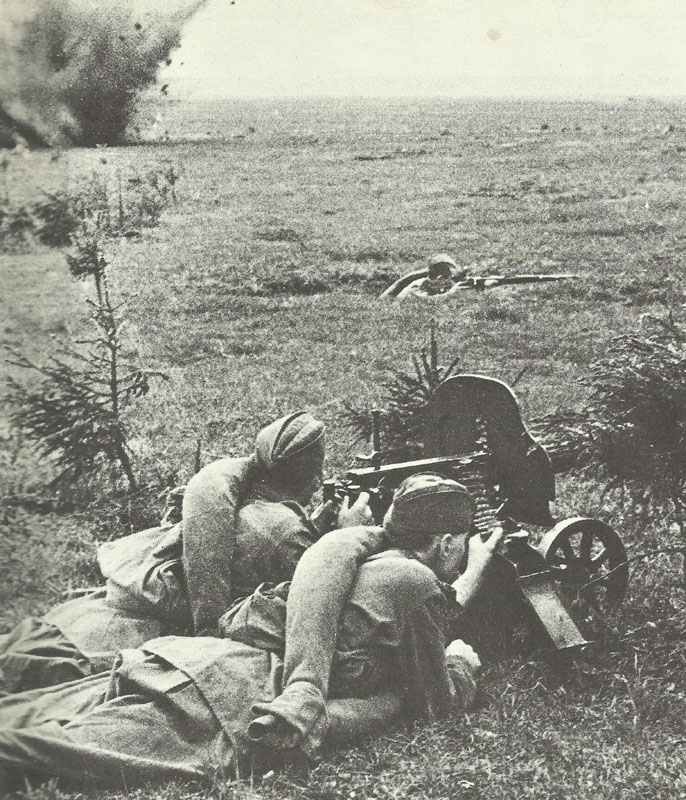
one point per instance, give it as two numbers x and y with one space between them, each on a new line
408 395
75 414
146 196
16 227
121 210
58 217
637 415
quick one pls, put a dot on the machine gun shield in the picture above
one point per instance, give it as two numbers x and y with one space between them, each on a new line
470 412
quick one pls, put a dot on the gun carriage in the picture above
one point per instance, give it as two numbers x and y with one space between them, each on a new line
557 572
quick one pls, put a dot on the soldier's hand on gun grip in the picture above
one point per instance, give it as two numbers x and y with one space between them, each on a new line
464 651
481 549
480 552
325 516
359 513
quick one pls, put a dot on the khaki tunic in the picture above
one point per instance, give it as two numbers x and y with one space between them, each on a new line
162 580
179 707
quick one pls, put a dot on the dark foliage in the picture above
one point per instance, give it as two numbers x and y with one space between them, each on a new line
122 209
71 416
75 414
16 227
562 434
637 415
408 395
57 217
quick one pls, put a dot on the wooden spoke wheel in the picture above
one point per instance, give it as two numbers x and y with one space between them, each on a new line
588 560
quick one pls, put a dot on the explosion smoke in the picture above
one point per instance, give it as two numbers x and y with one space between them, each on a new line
71 71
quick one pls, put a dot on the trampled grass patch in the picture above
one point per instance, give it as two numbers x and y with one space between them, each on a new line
257 294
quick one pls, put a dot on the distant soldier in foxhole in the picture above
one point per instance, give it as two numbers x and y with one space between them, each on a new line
443 275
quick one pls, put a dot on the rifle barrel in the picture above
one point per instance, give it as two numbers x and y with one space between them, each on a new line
562 276
491 281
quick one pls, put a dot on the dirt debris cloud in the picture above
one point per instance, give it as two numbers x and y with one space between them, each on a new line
72 71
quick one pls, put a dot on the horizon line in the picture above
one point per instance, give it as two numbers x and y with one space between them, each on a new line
623 97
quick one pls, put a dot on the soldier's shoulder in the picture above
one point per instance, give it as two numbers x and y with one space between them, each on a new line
222 466
403 573
259 512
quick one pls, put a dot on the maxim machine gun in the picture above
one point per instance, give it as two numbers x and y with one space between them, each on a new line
475 435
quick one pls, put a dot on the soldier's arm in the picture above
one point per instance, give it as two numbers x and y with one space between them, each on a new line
210 504
321 585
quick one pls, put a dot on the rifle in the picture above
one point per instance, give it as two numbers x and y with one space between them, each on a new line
482 282
478 282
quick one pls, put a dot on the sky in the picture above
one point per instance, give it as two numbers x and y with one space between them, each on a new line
541 48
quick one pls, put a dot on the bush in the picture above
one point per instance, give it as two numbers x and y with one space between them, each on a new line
124 209
16 227
408 396
58 217
75 414
636 416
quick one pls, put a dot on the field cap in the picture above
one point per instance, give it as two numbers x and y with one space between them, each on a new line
450 268
442 258
289 436
427 504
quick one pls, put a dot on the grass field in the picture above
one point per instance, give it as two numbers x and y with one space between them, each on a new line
257 295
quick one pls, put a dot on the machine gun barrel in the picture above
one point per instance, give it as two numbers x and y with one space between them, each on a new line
381 481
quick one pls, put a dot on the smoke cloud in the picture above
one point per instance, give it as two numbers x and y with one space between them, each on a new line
72 71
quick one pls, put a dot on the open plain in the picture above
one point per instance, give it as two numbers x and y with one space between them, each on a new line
257 294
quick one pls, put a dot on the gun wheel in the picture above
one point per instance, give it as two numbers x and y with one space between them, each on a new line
588 560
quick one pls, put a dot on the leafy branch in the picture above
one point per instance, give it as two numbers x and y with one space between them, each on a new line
636 416
408 396
75 414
